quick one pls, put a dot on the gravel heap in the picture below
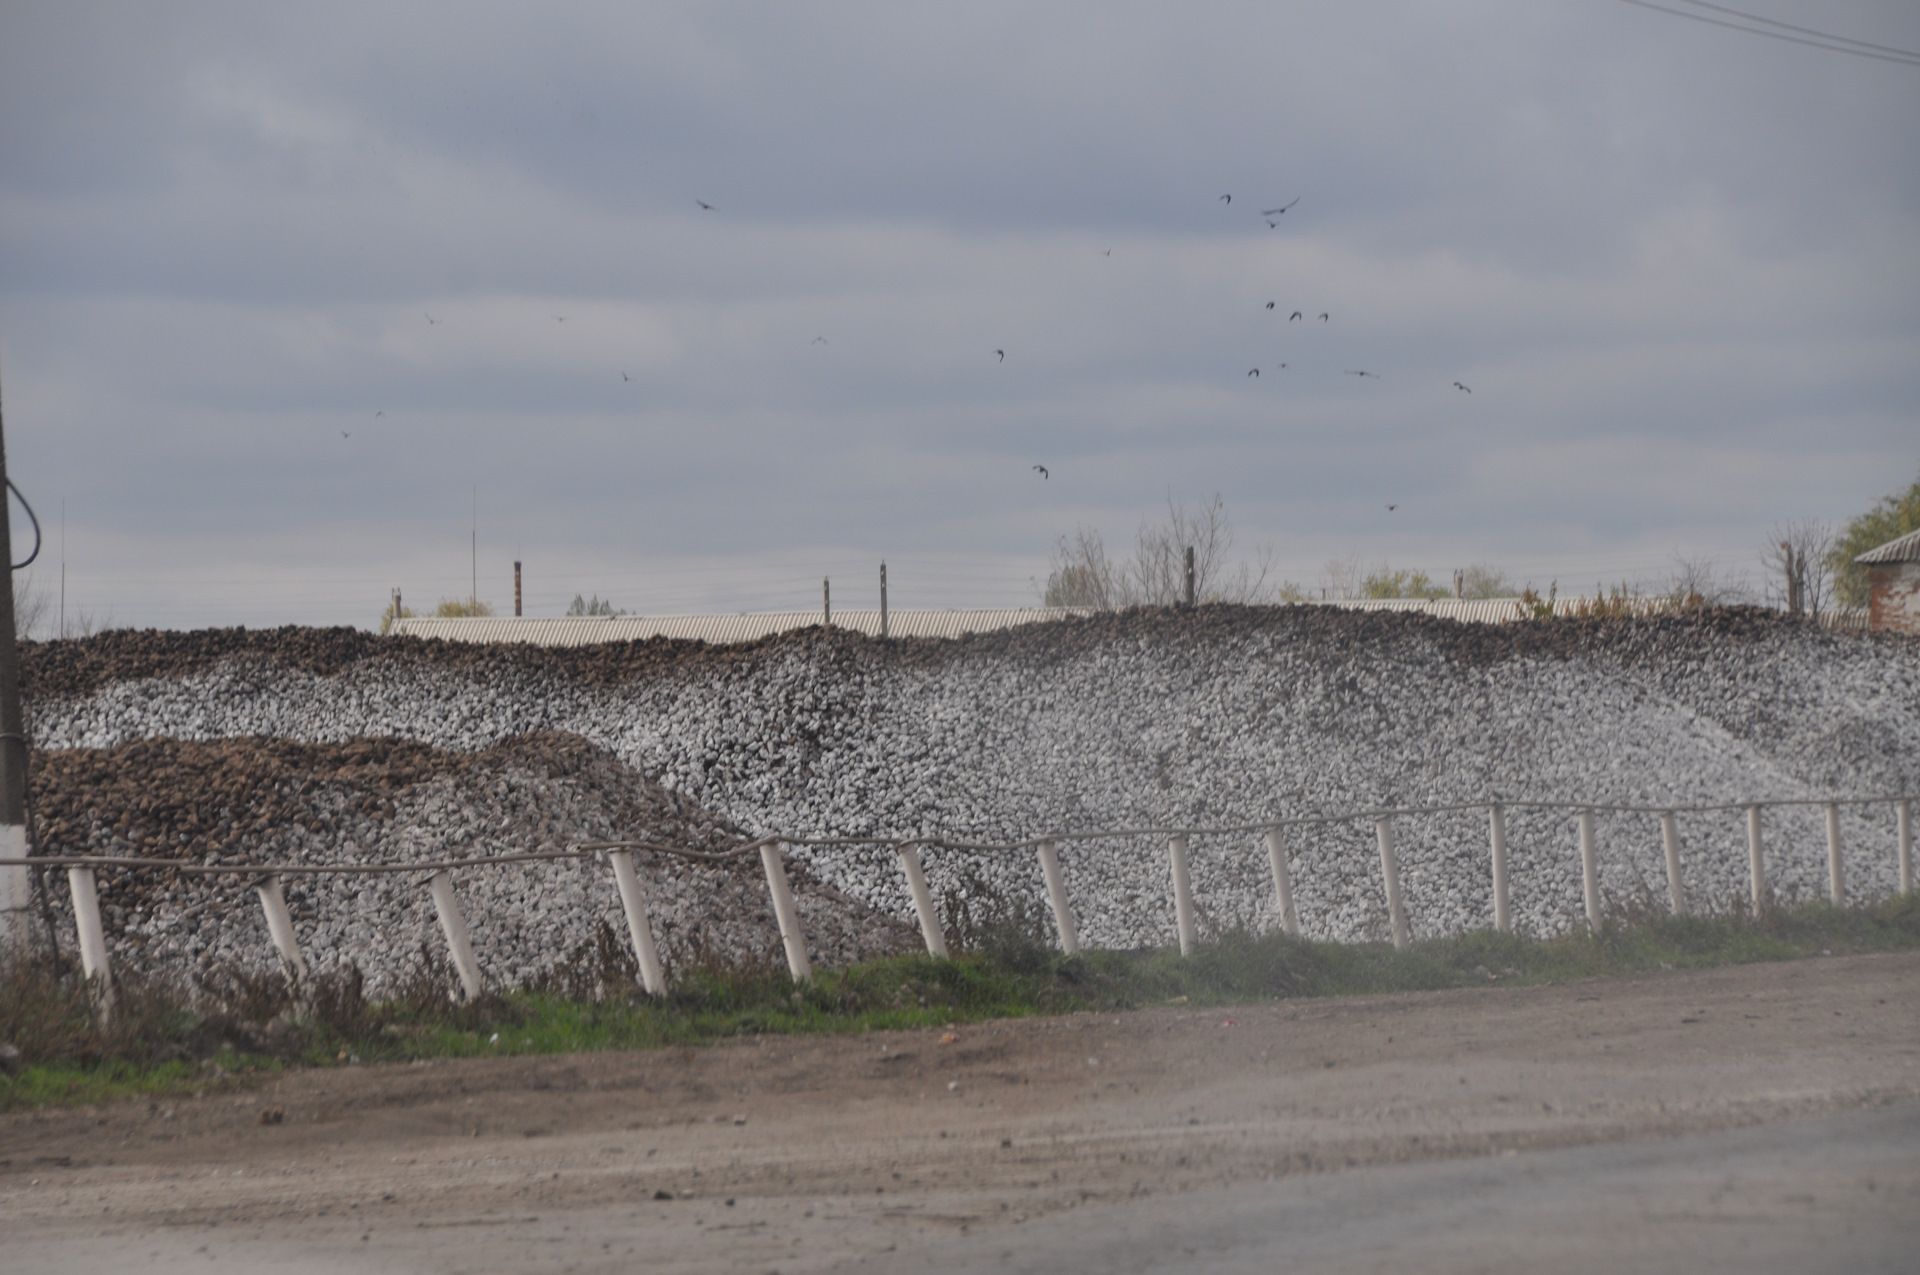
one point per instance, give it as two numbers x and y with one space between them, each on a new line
256 800
1220 715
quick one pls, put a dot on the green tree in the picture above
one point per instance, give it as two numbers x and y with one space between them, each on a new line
1388 583
595 605
1894 516
461 608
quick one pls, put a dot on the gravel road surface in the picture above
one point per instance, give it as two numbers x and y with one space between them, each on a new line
1761 1118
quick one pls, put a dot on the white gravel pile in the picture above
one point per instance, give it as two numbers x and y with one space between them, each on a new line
1227 715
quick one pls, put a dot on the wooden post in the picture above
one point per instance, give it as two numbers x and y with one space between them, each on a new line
280 925
454 926
1057 896
1756 861
826 601
633 901
93 939
792 937
1282 882
922 898
1903 819
1670 840
1497 834
1590 871
1390 872
1836 879
1182 893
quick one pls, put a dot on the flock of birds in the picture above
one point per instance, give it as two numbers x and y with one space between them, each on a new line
1272 217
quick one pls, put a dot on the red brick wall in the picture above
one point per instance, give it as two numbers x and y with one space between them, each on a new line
1895 597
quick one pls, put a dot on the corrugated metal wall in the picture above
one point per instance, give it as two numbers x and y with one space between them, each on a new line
721 629
583 631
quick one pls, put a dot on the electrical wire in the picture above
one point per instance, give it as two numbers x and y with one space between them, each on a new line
1788 26
1831 43
36 526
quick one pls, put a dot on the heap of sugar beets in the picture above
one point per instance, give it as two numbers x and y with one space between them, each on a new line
303 745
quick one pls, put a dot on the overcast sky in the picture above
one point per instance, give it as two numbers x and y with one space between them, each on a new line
1678 266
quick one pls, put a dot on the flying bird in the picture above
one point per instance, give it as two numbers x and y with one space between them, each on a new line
1323 316
624 376
1227 198
1275 212
1295 315
704 205
344 434
1269 305
1107 253
819 340
431 319
1283 367
1391 508
1041 470
1254 372
559 318
379 413
1002 354
1357 372
1463 389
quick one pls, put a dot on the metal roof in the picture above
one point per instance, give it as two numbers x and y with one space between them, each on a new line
719 629
1905 549
724 629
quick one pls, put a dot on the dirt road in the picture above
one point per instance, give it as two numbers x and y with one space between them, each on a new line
812 1154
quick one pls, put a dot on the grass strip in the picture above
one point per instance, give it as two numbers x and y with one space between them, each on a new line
161 1041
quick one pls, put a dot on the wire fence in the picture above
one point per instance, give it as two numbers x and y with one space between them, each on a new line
636 904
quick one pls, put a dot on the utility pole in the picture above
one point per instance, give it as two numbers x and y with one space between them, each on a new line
826 601
1189 577
14 888
883 599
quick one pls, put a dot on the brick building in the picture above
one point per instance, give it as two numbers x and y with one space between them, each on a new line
1893 579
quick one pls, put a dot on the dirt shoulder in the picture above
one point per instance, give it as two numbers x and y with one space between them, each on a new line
803 1153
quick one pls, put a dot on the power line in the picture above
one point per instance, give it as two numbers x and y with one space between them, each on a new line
1819 40
1788 26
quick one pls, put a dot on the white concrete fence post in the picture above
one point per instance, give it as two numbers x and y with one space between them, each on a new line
1903 819
16 890
1282 882
454 926
1057 896
93 939
1756 861
1670 842
1182 893
922 897
1590 870
792 937
1836 874
633 902
280 926
1390 874
1502 899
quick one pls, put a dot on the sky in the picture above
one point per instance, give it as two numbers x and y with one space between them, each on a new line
303 304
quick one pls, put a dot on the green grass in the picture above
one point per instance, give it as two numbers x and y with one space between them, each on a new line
156 1045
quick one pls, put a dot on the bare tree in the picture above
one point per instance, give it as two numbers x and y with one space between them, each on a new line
30 606
1800 567
1697 582
1081 573
1343 577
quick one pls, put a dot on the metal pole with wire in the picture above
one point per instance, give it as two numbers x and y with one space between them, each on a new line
15 892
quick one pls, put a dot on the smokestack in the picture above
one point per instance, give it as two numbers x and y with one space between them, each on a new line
516 590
